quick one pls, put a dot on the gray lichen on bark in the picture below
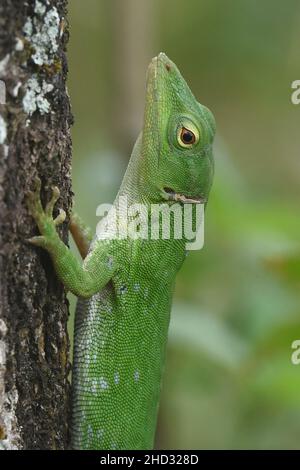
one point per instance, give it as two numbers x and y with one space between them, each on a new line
34 140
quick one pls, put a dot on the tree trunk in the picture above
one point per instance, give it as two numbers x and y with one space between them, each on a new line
34 140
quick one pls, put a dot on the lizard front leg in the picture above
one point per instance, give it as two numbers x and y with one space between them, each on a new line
81 233
83 280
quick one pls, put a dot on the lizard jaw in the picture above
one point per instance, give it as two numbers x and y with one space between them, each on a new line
171 195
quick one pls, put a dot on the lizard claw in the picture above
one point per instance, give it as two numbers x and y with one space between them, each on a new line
33 199
37 241
60 218
51 203
36 186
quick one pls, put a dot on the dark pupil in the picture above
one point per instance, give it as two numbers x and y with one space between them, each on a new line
187 136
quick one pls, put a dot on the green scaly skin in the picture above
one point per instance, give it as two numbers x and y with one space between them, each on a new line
126 286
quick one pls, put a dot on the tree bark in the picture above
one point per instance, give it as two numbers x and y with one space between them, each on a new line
34 140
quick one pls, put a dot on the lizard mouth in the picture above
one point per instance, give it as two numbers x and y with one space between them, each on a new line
171 195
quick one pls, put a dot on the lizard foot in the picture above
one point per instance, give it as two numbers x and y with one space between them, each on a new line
44 218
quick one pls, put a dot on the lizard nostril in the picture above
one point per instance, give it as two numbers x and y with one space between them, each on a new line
168 67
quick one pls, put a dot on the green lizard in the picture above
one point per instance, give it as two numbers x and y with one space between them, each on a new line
125 286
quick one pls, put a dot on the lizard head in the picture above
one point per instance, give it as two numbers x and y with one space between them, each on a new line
177 137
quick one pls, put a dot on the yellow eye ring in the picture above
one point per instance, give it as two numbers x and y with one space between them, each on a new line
187 136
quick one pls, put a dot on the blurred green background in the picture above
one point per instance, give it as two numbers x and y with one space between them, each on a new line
229 381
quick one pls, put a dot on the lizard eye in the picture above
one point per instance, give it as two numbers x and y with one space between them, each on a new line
186 137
